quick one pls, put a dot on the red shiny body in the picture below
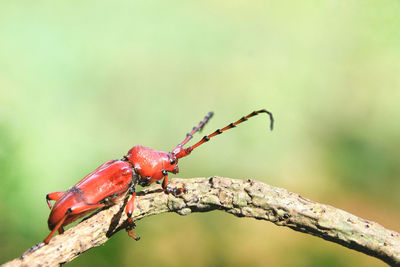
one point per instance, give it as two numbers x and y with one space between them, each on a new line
148 163
118 178
112 178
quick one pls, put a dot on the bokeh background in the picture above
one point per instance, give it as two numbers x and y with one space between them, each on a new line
83 81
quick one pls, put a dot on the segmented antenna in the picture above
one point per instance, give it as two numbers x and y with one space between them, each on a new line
184 152
195 129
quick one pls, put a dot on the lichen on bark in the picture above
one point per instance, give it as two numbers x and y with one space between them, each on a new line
242 198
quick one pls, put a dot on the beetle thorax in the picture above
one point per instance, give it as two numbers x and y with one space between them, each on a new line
150 164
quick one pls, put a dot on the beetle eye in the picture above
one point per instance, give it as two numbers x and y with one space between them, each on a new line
172 162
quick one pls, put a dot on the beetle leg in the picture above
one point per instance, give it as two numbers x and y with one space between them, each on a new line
169 190
85 208
47 240
130 206
32 249
129 210
53 196
132 233
76 210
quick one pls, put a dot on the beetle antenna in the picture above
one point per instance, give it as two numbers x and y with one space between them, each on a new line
184 152
195 129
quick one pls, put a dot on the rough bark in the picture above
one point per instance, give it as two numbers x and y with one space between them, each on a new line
242 198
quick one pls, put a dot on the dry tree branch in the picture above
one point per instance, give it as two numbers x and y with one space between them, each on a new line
242 198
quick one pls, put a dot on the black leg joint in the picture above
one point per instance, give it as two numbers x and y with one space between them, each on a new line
131 190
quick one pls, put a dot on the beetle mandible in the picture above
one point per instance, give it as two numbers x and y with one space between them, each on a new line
117 178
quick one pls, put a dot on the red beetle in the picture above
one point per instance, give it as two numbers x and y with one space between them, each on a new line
116 178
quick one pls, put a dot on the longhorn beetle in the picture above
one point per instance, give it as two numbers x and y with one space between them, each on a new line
117 178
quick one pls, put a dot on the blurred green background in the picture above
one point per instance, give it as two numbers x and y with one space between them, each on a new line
83 81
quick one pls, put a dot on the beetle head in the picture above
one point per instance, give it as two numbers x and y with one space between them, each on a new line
172 163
